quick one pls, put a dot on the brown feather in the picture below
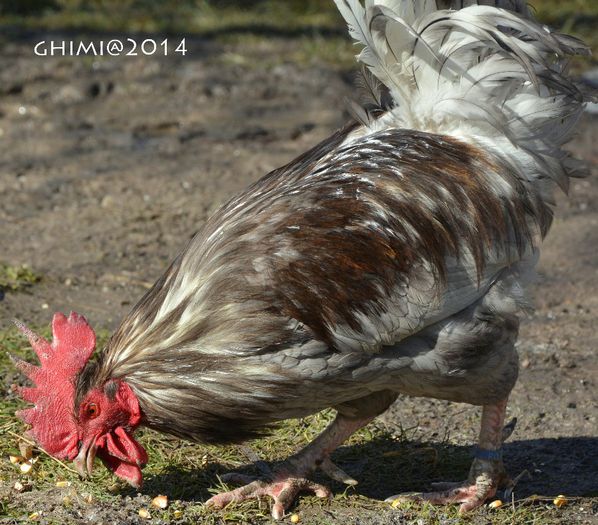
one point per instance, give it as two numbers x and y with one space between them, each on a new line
305 249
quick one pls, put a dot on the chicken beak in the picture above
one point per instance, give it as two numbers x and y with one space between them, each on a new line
84 460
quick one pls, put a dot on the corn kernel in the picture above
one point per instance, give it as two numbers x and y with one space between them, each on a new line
495 504
560 501
160 501
144 513
295 518
178 514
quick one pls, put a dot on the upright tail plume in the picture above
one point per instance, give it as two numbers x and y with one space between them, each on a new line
488 74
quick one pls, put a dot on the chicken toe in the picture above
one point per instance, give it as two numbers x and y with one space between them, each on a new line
291 477
470 493
283 491
486 474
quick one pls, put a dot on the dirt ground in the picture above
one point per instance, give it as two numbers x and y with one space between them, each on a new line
109 165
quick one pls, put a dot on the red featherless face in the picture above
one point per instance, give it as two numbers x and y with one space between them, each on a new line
100 424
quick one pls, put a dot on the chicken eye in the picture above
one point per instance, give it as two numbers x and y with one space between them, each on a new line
93 410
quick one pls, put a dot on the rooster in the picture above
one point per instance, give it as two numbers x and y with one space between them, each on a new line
389 259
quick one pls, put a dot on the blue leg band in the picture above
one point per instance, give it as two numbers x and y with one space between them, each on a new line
490 455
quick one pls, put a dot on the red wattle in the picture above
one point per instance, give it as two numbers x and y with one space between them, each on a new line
120 445
127 471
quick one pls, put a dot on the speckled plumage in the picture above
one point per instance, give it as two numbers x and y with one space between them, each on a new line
389 258
306 291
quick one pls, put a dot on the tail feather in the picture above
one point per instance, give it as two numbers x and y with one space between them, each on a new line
483 73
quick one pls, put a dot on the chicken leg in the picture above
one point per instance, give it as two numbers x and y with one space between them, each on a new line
486 473
291 477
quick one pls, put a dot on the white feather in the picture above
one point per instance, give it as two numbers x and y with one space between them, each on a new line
492 77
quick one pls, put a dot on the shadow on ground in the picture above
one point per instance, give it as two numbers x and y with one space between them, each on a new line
384 467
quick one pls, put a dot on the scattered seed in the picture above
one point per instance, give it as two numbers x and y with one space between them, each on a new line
295 518
62 484
178 514
15 459
87 498
26 467
144 513
396 503
19 487
160 501
495 504
560 501
34 516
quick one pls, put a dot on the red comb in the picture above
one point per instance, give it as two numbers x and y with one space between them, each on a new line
52 418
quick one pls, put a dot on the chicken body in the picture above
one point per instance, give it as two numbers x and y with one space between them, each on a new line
312 289
329 283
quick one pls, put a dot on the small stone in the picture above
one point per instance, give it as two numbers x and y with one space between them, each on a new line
69 94
107 201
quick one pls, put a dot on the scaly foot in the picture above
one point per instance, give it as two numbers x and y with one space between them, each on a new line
482 484
487 472
283 490
290 479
